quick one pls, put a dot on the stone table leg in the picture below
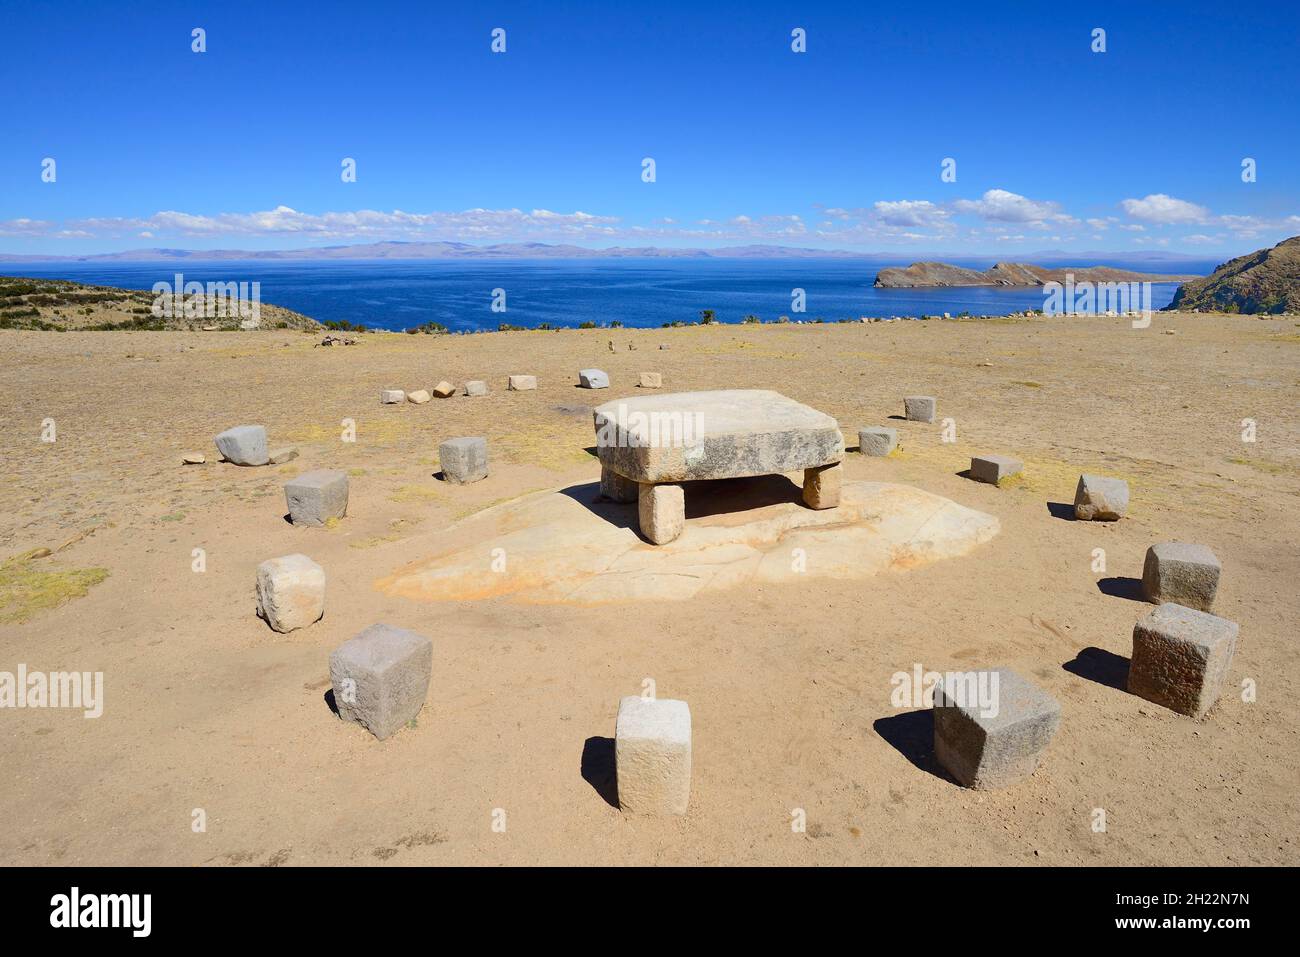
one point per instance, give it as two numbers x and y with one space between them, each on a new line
616 488
821 486
662 510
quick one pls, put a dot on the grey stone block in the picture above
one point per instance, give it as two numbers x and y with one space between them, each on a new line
1181 658
994 468
593 379
1100 499
652 756
391 396
463 460
919 408
316 497
244 445
476 387
1181 573
877 440
381 678
616 488
521 383
986 750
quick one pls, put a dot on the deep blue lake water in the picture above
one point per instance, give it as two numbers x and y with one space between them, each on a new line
638 292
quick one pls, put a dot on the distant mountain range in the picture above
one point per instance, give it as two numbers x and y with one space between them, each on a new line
453 250
926 274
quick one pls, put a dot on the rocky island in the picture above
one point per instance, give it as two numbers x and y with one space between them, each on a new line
1007 274
1267 280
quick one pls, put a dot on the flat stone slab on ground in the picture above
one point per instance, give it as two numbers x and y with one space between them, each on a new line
280 456
730 433
1181 658
316 497
463 460
593 379
744 533
290 592
983 749
652 756
651 380
919 408
1182 573
244 445
194 458
521 383
381 678
877 440
993 468
1100 499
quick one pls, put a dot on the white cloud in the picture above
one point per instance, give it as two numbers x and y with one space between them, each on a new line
1164 210
1002 206
909 212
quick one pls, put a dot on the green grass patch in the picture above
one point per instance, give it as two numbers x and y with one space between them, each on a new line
27 590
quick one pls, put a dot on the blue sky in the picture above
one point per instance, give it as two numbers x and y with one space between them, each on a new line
1056 147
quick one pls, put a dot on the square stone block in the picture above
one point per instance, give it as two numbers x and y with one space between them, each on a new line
877 440
1181 658
992 747
444 390
821 486
244 445
290 592
919 408
392 396
661 510
994 468
463 460
652 756
476 387
316 497
1100 499
418 397
651 380
521 383
381 678
593 379
1181 573
616 488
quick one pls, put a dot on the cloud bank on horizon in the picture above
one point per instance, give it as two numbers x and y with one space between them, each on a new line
834 128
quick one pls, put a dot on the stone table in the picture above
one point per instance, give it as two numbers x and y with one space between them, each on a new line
650 444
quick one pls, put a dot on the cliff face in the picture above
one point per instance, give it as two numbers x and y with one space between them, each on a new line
1265 281
1006 274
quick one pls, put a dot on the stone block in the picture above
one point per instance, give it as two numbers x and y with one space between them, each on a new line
992 747
877 440
381 678
651 380
919 408
593 379
476 387
616 488
419 396
280 456
1182 573
821 486
993 468
392 396
652 756
1181 658
244 445
290 592
1100 499
463 460
444 390
316 497
521 383
661 510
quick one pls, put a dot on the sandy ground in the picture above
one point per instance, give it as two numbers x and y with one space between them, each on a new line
789 684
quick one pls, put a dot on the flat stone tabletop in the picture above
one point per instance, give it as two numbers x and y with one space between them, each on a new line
727 433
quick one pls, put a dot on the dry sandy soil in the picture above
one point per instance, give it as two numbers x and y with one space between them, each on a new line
789 684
